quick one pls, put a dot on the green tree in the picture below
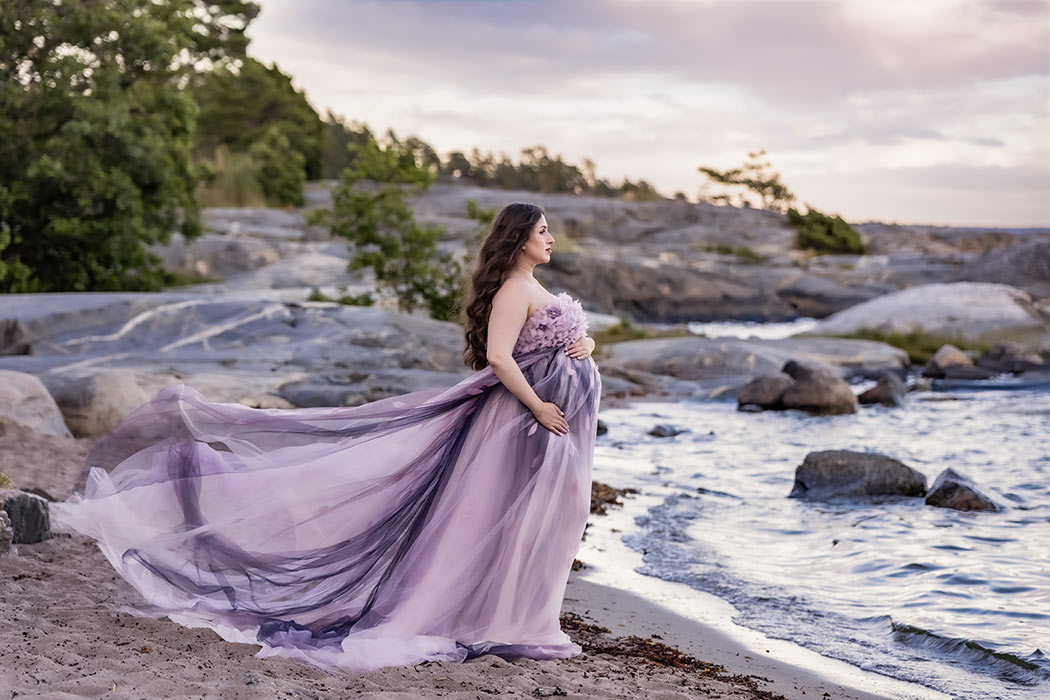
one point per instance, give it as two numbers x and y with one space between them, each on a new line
341 141
281 173
96 135
369 209
445 291
754 177
240 104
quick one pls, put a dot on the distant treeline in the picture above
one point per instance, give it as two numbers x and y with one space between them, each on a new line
237 109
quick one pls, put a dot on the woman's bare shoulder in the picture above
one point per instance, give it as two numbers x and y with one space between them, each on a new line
519 292
514 293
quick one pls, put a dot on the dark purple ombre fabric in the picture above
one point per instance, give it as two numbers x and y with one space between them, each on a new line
437 525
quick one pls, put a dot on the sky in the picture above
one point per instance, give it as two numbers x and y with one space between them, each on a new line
902 111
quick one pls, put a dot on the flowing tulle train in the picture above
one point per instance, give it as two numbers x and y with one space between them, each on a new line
438 525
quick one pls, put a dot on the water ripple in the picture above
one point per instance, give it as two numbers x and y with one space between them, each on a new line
959 601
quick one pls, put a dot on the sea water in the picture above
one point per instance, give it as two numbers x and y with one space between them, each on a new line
956 601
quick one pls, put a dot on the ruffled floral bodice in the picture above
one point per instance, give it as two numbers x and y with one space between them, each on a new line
555 324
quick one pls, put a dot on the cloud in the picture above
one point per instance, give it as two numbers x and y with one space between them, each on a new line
805 48
653 88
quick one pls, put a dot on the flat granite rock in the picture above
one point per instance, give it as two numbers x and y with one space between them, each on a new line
99 352
695 358
969 312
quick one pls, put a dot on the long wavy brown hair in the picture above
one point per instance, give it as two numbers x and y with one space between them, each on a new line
498 254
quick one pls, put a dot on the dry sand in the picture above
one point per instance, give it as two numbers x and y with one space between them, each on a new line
64 637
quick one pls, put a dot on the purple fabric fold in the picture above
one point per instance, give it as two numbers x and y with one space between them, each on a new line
437 525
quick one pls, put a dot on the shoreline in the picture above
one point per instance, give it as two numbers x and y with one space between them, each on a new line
65 631
67 636
700 624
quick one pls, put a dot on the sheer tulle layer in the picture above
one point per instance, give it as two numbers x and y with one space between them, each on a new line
436 525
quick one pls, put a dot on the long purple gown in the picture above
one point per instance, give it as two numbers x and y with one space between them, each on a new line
437 525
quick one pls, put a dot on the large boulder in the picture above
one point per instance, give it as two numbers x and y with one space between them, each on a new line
25 400
970 313
889 390
94 404
834 474
765 391
29 514
953 490
817 390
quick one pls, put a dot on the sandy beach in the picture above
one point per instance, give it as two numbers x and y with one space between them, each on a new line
66 636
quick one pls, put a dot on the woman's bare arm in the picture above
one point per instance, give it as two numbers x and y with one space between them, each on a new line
510 310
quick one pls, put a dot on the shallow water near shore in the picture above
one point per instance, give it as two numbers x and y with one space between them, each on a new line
959 602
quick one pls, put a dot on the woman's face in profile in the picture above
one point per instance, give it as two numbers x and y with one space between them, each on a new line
537 248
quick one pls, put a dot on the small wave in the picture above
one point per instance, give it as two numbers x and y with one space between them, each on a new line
1030 670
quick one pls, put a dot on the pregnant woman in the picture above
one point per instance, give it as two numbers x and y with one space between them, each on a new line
437 525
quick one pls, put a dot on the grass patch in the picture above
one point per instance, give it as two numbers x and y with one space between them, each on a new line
625 330
919 345
182 279
5 481
740 251
362 299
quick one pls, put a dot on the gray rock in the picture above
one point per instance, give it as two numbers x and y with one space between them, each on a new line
94 404
818 297
664 430
1012 358
662 292
817 390
971 312
889 390
216 256
232 347
30 516
953 490
834 474
37 491
766 391
25 400
947 356
961 372
7 533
